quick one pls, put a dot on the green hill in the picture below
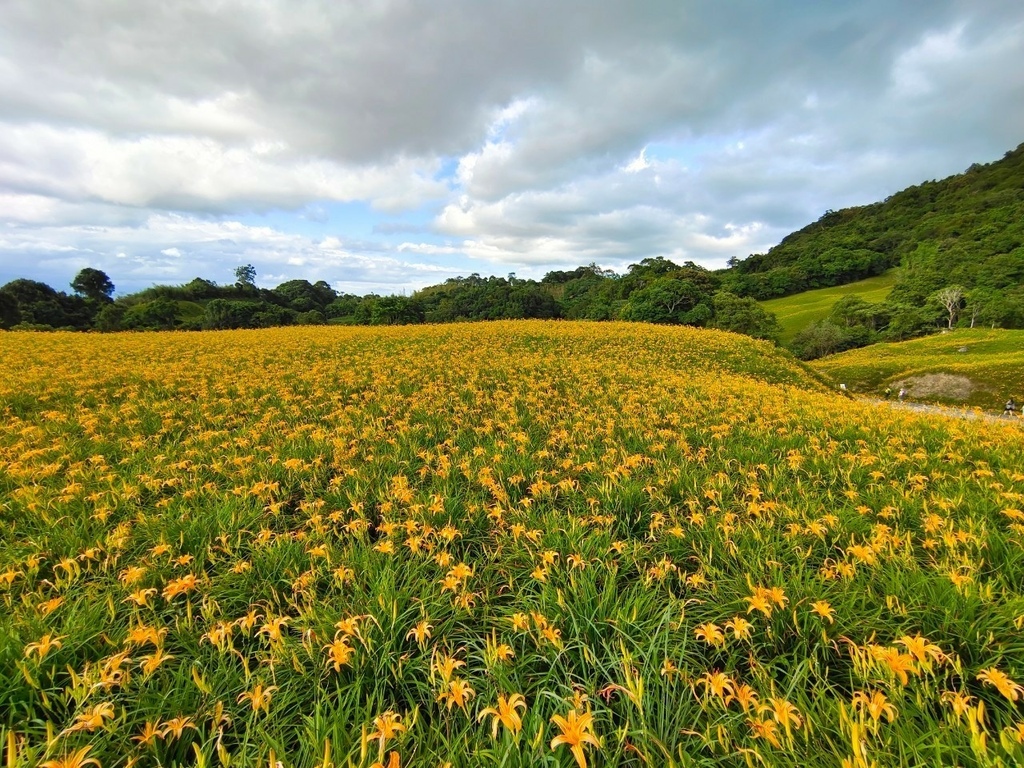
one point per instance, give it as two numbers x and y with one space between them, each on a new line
799 310
964 367
967 229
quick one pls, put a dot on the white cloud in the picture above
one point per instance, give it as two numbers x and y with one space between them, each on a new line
198 173
138 134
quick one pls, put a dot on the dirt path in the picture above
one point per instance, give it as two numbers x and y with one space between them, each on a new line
951 411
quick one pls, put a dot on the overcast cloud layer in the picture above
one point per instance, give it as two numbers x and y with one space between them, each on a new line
387 145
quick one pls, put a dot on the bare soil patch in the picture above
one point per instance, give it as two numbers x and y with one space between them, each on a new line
938 385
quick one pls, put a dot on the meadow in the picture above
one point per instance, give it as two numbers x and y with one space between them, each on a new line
976 367
498 544
799 310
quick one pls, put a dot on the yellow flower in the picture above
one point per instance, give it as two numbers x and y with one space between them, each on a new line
457 692
259 697
767 730
961 702
176 726
759 602
825 610
576 731
711 634
876 705
1002 683
141 597
743 695
46 644
150 663
150 733
717 683
274 628
388 726
339 653
785 714
394 761
76 760
181 586
921 649
446 665
740 627
669 669
94 718
505 714
421 632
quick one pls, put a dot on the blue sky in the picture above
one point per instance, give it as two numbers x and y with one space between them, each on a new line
387 146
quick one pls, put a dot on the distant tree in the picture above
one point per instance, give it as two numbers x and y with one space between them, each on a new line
671 299
951 298
93 284
39 305
742 315
110 317
908 321
313 317
245 274
157 315
396 310
817 340
9 312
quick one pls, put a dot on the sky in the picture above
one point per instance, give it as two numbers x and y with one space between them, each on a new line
385 145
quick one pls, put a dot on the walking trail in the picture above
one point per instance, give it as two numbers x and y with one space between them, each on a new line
951 411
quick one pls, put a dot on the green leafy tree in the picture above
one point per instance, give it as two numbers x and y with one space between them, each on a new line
817 340
245 275
93 284
670 300
744 315
110 317
157 315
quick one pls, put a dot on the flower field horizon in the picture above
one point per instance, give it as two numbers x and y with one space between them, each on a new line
512 544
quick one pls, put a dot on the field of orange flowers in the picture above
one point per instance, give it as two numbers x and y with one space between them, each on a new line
507 544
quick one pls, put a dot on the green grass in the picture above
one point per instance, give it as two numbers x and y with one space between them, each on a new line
993 361
798 311
190 310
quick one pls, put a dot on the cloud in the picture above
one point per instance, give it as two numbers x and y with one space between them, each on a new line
173 248
197 173
510 133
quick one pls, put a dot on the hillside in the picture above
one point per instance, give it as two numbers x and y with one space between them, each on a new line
966 229
965 367
465 543
797 311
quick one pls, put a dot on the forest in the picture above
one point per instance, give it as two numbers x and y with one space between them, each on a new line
656 290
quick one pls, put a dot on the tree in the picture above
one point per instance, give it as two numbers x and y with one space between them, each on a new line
817 340
245 274
670 300
109 318
744 316
950 299
38 304
93 284
158 315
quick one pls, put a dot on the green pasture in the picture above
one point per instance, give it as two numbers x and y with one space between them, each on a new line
798 311
991 360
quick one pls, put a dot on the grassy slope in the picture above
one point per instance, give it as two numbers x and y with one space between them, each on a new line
798 311
994 362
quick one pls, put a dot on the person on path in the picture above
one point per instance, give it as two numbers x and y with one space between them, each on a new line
902 394
1010 409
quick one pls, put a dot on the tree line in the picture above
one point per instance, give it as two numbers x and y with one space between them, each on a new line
655 290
